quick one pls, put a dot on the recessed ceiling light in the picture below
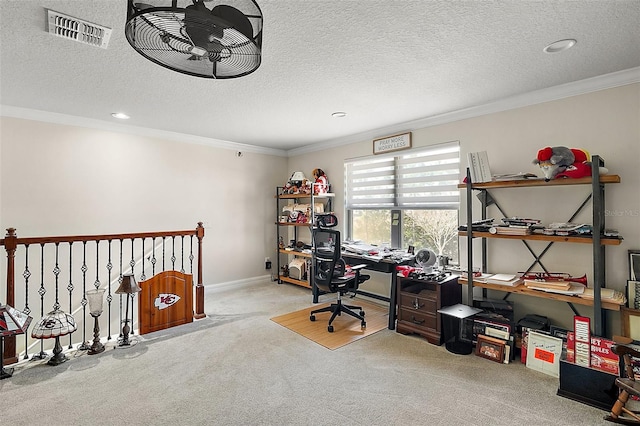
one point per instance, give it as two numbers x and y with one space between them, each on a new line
120 115
560 46
339 114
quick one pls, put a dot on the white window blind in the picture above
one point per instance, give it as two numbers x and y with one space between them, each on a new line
424 178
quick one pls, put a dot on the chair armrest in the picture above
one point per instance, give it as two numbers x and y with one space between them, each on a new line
358 267
625 350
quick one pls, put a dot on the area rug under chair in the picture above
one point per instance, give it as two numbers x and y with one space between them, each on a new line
346 328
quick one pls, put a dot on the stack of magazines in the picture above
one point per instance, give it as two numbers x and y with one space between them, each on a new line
559 287
515 226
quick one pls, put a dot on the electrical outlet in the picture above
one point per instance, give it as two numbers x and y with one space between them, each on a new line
267 263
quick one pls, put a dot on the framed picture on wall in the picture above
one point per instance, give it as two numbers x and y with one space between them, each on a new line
633 294
634 265
630 323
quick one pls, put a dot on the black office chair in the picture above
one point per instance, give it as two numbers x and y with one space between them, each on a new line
329 274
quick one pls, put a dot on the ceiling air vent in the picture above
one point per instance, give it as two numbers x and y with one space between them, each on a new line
66 26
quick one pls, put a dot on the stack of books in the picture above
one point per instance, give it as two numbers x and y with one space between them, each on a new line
559 287
510 280
510 230
515 226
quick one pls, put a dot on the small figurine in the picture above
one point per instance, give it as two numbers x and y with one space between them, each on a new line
321 185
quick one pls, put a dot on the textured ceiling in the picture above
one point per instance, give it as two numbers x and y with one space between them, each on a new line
383 62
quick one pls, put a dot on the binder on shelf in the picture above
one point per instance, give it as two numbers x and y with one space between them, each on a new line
479 166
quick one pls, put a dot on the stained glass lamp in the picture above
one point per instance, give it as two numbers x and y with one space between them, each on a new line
53 325
12 322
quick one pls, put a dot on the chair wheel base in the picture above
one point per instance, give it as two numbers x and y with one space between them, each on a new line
363 324
312 318
330 329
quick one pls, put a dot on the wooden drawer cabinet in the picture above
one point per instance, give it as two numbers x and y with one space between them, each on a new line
418 304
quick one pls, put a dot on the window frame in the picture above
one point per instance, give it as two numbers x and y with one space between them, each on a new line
395 210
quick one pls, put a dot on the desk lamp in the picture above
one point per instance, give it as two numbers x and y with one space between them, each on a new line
53 325
12 322
127 287
95 309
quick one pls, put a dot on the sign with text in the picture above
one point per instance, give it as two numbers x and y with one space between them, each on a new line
392 143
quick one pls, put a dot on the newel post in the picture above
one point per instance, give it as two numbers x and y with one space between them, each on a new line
10 245
199 287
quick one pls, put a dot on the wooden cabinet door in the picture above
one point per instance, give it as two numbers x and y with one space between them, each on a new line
166 300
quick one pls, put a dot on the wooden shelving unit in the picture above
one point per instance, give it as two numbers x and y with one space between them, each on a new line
283 256
522 289
597 240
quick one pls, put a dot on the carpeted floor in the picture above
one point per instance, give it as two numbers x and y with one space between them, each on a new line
237 367
347 329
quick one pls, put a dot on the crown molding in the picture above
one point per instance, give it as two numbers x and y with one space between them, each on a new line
594 84
575 88
71 120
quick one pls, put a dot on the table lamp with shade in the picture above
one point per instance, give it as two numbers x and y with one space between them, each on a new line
128 286
12 322
95 298
55 324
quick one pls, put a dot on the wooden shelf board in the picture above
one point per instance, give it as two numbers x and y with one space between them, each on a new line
296 253
292 224
521 183
522 289
294 281
293 196
538 237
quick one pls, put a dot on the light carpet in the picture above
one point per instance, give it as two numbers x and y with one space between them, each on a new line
347 329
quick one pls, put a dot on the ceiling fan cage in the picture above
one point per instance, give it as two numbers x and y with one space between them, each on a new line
203 38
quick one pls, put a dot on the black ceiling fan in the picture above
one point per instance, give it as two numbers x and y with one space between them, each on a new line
204 38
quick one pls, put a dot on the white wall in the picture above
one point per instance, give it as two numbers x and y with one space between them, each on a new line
606 123
65 180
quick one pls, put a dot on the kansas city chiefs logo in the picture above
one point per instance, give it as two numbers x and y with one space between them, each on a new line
163 301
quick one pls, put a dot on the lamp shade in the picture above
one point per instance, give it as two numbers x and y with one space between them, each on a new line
128 285
95 298
12 321
55 324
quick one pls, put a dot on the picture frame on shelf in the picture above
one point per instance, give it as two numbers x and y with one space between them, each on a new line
630 322
490 348
633 294
634 265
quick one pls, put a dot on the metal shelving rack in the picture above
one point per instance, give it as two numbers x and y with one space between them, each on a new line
597 240
313 198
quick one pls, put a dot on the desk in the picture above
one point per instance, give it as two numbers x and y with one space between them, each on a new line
387 266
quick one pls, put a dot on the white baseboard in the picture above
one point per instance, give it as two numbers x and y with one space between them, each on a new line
237 284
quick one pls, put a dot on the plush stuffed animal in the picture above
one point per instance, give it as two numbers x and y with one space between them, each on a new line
562 162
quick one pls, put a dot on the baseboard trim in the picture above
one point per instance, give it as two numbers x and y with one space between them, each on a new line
245 282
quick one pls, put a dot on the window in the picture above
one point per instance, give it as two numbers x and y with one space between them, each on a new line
409 198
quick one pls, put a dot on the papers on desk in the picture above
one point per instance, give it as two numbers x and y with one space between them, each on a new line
360 248
375 253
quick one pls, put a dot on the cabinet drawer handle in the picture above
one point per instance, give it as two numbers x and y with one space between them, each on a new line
415 321
417 305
